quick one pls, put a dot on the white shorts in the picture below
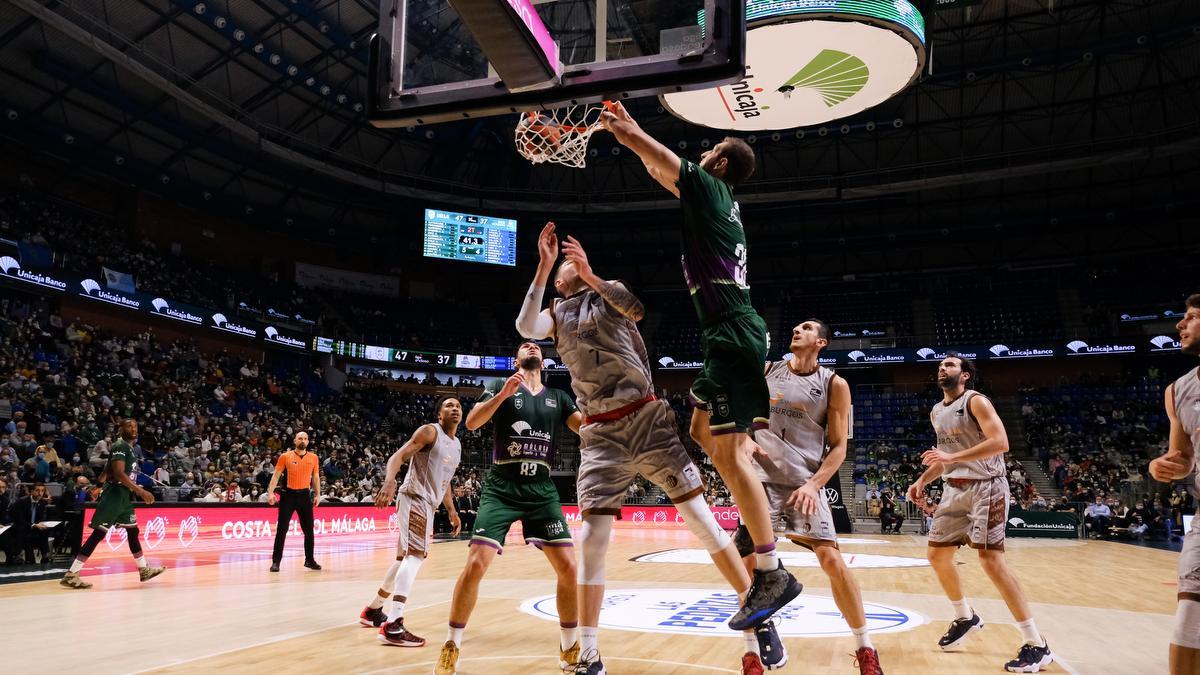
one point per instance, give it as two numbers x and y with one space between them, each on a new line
414 525
1189 564
973 513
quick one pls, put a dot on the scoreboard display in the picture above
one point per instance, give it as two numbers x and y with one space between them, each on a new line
463 236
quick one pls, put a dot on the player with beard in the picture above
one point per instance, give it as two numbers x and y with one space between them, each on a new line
810 410
1182 402
627 432
435 451
969 457
115 509
526 417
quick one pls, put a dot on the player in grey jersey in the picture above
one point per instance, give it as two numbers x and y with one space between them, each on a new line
969 457
1182 401
433 452
626 430
810 408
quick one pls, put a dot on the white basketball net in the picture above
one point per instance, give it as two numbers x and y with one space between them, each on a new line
559 136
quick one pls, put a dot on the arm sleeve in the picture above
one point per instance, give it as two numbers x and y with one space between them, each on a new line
531 323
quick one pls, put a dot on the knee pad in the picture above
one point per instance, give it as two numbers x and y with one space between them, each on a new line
741 539
1187 624
699 519
593 542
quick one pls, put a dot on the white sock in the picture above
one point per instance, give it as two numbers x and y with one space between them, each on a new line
862 636
1030 634
567 637
766 561
388 580
455 635
141 562
76 565
589 640
751 638
961 609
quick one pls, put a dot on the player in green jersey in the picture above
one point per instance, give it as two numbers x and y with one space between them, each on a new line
730 395
526 418
115 509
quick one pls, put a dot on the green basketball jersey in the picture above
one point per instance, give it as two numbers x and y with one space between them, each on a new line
121 450
525 431
714 245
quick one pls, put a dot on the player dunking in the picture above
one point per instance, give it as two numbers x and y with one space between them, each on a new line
730 394
115 509
969 457
626 430
1182 401
435 451
526 417
810 408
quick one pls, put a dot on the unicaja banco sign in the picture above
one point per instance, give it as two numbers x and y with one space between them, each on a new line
810 62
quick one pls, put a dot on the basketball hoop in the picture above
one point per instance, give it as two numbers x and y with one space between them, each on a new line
560 136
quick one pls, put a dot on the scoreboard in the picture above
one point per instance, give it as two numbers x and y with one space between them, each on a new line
463 236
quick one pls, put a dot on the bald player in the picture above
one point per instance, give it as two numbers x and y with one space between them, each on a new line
626 431
810 410
1183 410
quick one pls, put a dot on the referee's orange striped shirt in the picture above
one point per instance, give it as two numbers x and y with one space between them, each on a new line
299 469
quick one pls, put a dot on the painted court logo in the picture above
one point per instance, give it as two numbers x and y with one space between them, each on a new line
705 612
790 558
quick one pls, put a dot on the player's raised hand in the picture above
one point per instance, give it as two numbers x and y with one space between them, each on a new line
511 384
615 114
548 244
575 254
1169 467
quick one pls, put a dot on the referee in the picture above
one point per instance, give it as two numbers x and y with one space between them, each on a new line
300 496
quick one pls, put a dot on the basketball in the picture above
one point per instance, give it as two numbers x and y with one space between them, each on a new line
541 133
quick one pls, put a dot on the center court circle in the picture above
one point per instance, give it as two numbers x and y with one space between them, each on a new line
705 612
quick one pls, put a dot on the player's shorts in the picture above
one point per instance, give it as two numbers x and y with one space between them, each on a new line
644 442
1189 564
731 385
973 513
535 504
414 525
809 531
115 509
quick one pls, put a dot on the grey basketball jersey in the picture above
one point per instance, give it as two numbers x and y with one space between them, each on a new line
794 439
430 470
957 429
1187 409
604 352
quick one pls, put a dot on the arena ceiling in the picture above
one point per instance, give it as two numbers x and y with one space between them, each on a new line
1087 105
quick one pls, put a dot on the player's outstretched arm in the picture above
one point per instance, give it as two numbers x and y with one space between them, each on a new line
662 164
532 323
614 292
1177 462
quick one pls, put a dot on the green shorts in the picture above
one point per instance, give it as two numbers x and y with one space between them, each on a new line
115 509
731 386
535 504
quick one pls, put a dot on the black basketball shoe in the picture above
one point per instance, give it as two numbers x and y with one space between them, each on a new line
958 632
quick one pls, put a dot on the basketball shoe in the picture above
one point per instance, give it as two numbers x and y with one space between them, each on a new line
394 633
867 661
769 592
770 647
958 632
751 664
589 664
568 656
372 617
447 662
1031 659
72 580
148 573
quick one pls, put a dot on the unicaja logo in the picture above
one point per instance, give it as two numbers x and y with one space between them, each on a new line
11 267
998 350
273 335
92 289
856 355
666 362
223 323
163 307
925 353
1164 343
1077 346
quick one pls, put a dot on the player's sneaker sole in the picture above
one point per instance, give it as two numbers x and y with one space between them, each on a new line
400 642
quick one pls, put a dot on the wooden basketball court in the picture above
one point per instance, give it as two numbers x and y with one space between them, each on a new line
1104 607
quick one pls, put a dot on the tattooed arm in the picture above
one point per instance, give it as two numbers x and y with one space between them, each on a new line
614 292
